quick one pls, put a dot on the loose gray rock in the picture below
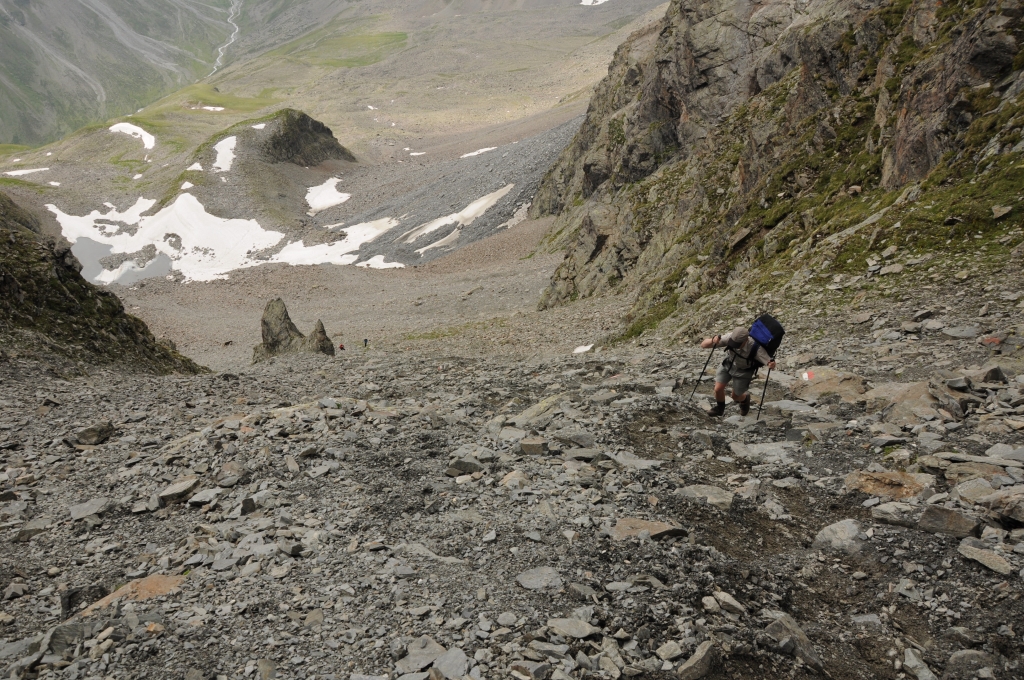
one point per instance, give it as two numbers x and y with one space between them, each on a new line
539 578
97 506
840 537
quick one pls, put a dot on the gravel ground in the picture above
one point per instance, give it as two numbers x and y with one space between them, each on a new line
386 510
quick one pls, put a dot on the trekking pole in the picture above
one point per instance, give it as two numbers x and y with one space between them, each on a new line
706 363
763 392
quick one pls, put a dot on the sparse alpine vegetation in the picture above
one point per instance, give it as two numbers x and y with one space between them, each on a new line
853 151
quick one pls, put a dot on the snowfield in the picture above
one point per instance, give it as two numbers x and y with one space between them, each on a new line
22 173
464 218
225 154
478 152
325 196
338 252
148 140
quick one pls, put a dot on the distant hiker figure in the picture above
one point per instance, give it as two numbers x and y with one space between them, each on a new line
366 343
743 356
341 346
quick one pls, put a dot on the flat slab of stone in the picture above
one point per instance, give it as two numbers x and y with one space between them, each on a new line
155 585
895 484
179 489
574 628
421 653
939 520
540 578
205 496
453 663
820 381
96 506
961 332
985 557
720 498
630 527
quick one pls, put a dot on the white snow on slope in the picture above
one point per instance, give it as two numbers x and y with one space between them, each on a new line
195 166
148 140
20 173
325 196
591 3
201 246
213 108
259 126
447 240
225 149
338 252
377 262
478 152
464 218
186 186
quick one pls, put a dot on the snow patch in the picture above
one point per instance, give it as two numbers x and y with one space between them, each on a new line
478 152
338 252
20 173
203 247
225 149
377 262
186 186
325 196
213 108
148 140
582 349
593 3
195 166
418 153
139 176
54 184
259 126
464 218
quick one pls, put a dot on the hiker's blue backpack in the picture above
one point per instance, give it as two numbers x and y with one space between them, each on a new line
767 332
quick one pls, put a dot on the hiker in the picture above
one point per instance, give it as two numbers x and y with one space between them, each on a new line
738 367
341 346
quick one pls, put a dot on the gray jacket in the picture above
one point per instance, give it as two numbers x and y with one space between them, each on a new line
739 360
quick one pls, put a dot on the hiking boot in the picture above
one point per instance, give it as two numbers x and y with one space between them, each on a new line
745 406
717 410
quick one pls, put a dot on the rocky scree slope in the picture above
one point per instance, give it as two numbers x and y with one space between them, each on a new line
378 514
48 311
737 156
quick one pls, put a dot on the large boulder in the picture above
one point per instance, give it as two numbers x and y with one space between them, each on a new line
280 336
821 382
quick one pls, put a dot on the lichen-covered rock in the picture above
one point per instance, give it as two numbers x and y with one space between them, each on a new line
280 336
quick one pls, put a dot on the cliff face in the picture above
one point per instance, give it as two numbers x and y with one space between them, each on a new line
735 137
48 309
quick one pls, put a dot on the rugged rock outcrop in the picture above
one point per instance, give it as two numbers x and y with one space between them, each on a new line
48 309
280 335
301 140
733 135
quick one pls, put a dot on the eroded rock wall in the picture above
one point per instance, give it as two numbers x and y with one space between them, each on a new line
733 132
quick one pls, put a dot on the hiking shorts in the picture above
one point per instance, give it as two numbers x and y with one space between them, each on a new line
740 379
